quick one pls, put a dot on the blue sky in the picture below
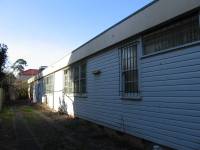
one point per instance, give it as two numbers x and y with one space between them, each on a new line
43 31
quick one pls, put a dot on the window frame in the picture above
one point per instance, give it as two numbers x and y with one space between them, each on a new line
77 80
49 84
178 46
131 96
82 78
69 81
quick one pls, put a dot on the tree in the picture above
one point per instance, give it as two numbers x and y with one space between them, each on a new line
3 58
19 65
20 86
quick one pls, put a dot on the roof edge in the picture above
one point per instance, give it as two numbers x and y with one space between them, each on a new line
126 18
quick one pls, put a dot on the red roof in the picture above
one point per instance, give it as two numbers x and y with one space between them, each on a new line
30 72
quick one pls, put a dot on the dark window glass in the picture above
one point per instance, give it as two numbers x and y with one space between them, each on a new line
68 81
83 78
49 84
75 79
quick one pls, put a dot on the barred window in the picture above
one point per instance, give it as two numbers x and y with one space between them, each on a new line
129 70
49 84
68 85
76 79
83 78
179 33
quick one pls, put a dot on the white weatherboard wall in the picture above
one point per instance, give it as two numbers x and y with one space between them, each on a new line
171 88
68 105
58 89
169 112
57 100
35 92
50 100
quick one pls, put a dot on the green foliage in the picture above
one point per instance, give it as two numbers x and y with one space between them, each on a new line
22 90
19 65
3 59
27 109
7 82
6 113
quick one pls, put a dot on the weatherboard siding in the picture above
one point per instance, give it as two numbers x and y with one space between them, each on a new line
101 89
171 88
169 112
58 89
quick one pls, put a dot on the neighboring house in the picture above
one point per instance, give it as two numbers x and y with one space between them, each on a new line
25 75
141 76
21 83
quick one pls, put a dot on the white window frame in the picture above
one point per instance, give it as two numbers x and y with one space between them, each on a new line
49 84
68 81
79 93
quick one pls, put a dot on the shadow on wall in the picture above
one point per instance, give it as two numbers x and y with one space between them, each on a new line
37 89
66 105
62 105
40 90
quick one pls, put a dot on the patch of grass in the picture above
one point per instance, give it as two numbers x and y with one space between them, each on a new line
6 128
77 134
6 113
30 116
27 109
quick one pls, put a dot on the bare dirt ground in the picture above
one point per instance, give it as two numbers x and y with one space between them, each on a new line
28 127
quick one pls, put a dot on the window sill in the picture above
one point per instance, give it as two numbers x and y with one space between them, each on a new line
170 49
134 98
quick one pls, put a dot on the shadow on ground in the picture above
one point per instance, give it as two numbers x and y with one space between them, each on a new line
24 126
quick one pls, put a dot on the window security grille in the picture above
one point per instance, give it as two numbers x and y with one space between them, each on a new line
76 79
129 70
83 78
176 34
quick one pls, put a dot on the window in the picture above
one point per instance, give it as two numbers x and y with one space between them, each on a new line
49 84
179 33
75 79
68 81
83 78
129 70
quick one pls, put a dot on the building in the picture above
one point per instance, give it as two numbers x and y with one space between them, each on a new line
141 76
25 75
19 88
